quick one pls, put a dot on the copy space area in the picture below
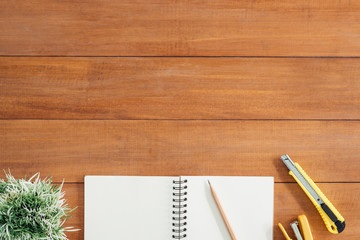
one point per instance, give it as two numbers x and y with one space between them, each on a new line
185 88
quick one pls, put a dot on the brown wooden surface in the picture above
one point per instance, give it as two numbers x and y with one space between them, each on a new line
290 201
186 28
69 110
179 88
327 150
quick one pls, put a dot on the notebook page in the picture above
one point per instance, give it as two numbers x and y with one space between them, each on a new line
128 207
247 201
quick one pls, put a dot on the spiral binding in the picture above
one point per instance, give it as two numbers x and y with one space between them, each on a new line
179 209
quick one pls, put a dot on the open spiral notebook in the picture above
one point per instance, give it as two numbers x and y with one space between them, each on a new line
164 208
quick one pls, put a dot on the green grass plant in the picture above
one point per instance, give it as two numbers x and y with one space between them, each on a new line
32 209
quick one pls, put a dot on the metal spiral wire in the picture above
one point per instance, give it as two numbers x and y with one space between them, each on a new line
179 209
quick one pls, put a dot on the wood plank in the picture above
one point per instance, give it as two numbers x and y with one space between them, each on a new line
186 28
179 88
290 202
74 193
70 149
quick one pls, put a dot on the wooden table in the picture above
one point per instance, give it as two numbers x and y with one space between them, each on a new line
160 87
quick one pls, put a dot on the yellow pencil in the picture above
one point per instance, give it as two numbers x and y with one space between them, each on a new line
222 213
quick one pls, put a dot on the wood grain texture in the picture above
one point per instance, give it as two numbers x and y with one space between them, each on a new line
327 150
186 28
108 99
290 201
179 88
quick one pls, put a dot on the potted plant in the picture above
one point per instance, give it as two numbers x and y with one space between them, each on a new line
32 209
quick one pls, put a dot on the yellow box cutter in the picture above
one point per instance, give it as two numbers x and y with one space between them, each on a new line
334 222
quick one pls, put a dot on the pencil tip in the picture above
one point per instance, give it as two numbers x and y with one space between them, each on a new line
209 182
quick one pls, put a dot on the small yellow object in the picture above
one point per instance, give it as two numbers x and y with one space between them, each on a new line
334 222
284 231
304 229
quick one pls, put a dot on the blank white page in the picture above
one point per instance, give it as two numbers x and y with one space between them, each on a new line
247 201
128 207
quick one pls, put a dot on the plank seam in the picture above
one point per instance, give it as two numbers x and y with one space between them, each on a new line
186 119
157 56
